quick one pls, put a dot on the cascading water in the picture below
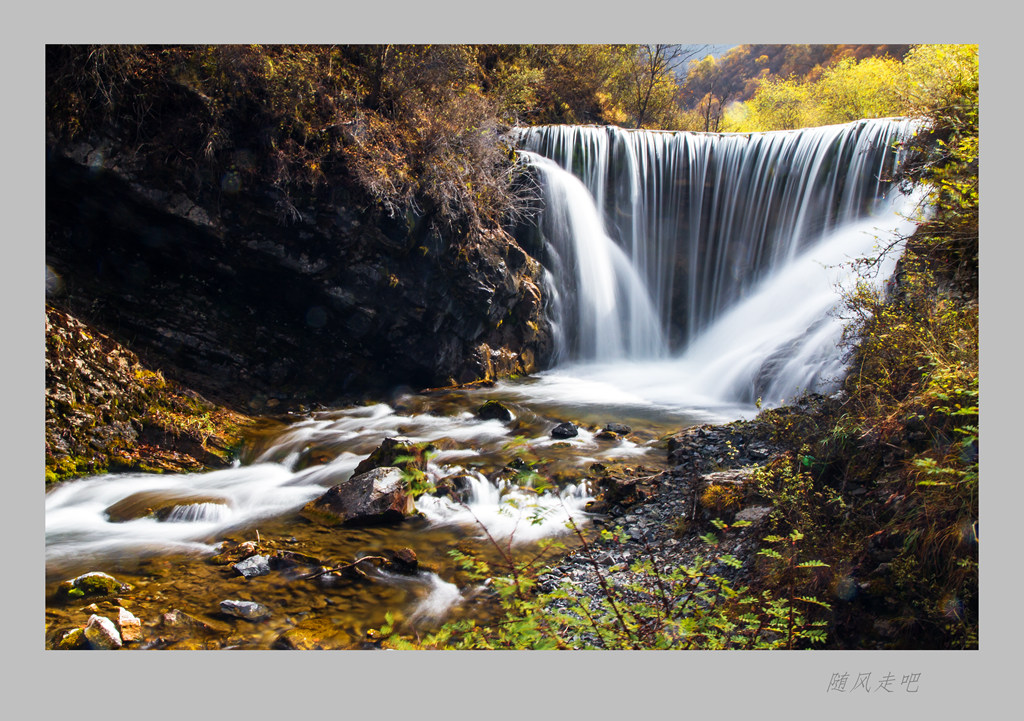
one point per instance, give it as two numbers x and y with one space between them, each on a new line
710 222
600 301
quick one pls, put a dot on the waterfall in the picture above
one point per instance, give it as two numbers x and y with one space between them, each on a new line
703 223
599 300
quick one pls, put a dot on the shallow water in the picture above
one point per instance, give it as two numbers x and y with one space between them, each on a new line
160 532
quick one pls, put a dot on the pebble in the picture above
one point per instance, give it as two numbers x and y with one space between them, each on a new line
253 566
248 610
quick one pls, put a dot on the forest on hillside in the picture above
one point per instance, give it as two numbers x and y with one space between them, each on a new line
420 125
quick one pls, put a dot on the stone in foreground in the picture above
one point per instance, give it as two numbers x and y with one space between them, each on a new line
376 497
101 633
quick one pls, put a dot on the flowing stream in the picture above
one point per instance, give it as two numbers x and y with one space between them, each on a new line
687 277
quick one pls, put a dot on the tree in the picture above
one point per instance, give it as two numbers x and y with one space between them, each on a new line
652 78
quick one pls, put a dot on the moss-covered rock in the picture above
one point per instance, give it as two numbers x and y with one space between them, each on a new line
72 640
95 583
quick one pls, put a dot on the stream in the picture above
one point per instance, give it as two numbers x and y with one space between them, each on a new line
106 524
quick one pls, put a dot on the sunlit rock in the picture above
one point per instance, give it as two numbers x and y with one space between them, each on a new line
102 634
253 566
130 626
378 496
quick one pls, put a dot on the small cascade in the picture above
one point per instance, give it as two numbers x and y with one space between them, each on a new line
82 518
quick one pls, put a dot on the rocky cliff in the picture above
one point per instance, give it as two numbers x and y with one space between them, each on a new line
259 300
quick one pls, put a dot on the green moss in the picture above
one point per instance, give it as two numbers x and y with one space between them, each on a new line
65 467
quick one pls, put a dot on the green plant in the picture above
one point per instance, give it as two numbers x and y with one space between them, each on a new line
646 605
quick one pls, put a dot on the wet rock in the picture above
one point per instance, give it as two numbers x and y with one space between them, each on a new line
129 625
379 496
94 583
403 561
253 566
626 492
618 428
299 639
597 506
313 634
396 453
564 430
102 634
493 410
428 299
607 435
453 487
73 640
249 610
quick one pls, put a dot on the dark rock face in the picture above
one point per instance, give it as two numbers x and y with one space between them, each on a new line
376 497
228 299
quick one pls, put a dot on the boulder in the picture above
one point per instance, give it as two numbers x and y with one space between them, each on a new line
564 430
102 634
618 428
253 566
249 610
493 410
454 487
378 496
